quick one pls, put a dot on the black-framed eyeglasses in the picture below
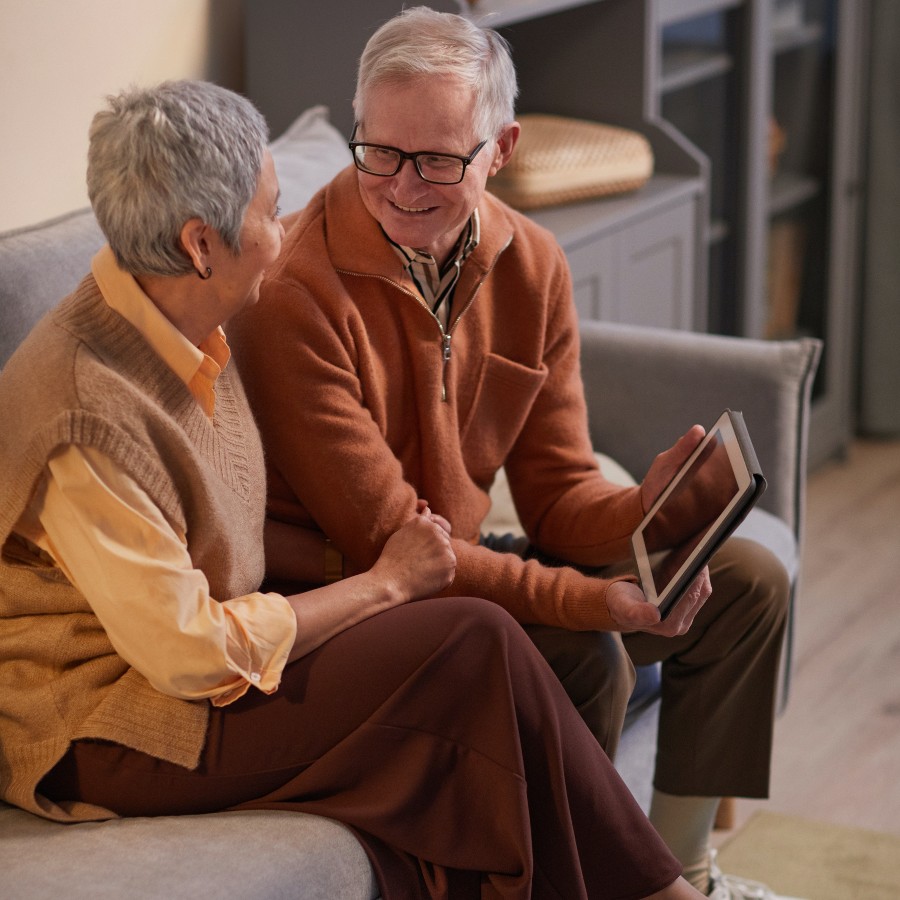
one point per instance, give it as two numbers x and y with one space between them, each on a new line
436 168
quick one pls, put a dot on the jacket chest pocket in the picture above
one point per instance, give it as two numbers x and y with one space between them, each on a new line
504 395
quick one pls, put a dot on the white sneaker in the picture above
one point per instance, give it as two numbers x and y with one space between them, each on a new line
734 887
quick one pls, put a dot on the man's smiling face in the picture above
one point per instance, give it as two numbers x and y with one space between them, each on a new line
427 113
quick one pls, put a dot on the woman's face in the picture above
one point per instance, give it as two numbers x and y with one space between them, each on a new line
425 114
261 237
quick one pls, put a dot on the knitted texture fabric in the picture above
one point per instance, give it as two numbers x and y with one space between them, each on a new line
365 404
86 376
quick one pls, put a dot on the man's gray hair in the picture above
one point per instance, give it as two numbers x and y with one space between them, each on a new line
160 156
422 42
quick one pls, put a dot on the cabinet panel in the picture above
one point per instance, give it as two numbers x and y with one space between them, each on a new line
593 266
813 214
704 91
656 285
640 274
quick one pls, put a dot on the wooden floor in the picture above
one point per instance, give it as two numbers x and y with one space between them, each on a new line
837 745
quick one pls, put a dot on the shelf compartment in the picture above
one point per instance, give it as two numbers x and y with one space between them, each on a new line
788 245
788 190
806 35
673 11
685 66
499 13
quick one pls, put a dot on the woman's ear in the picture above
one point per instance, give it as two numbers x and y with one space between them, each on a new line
195 242
506 143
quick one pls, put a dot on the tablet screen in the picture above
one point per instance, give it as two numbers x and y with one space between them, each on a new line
674 540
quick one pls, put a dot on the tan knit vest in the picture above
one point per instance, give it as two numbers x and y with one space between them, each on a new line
86 376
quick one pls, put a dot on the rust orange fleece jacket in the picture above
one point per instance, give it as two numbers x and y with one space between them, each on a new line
365 405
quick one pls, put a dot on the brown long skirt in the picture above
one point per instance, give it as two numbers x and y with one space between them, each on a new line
439 734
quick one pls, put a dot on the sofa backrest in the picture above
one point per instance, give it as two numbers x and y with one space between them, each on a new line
41 264
38 267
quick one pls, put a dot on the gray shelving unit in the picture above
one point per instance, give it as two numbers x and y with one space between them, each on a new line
640 257
728 236
634 258
771 92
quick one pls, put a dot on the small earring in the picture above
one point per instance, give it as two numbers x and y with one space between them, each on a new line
203 277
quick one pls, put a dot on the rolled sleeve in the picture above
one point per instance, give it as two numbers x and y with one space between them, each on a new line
133 567
259 638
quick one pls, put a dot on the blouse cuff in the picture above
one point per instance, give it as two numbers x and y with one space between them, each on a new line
262 630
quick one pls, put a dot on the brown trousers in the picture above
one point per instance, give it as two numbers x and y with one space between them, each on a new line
438 733
718 681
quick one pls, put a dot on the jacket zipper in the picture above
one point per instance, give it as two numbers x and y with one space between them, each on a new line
446 336
445 344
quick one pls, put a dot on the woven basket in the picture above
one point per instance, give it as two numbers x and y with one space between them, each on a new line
561 160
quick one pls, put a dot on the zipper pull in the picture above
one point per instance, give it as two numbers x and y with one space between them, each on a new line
445 347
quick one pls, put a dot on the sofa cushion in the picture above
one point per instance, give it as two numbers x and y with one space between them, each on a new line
502 518
775 534
39 265
307 156
261 854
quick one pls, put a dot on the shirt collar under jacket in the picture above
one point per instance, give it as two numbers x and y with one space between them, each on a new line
436 284
198 367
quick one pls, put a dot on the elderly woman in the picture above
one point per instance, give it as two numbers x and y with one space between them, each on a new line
142 672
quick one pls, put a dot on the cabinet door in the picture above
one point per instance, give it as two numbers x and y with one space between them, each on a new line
640 274
657 268
593 265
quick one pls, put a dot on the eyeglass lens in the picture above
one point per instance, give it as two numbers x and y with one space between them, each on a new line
432 167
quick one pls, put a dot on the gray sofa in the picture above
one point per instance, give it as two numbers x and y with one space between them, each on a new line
644 388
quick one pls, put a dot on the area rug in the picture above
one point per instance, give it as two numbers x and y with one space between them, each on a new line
814 860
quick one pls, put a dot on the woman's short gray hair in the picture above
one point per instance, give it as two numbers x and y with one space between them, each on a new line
160 156
422 42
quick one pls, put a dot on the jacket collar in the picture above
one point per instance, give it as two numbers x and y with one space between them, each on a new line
359 245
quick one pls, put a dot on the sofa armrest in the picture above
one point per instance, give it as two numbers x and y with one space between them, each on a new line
645 387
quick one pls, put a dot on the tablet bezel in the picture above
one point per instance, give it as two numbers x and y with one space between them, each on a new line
690 568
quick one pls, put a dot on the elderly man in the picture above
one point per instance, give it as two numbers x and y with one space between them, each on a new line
415 336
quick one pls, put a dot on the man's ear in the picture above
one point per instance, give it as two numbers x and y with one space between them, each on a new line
195 242
506 143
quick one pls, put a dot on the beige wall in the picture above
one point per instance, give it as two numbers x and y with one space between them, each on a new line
60 58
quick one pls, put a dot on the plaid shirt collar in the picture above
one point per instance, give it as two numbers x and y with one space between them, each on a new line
436 285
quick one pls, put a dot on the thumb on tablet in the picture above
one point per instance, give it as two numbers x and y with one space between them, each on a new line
628 607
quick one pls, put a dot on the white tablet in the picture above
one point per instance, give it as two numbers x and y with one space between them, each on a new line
701 506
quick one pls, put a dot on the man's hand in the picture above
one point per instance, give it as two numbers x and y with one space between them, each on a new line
423 511
631 611
422 508
418 559
662 470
